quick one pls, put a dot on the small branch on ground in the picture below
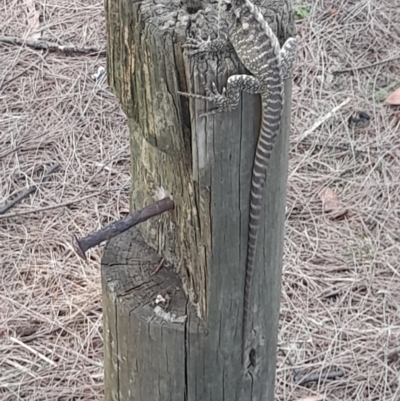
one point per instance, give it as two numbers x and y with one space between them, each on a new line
302 379
8 152
366 66
28 191
51 46
321 121
33 351
76 320
40 59
20 147
120 226
44 209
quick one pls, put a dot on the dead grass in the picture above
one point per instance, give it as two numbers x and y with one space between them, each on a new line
56 112
341 284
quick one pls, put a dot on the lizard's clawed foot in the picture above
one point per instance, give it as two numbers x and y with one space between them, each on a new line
194 96
222 102
199 45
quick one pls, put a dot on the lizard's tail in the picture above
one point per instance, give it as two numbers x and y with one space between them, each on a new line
272 103
256 12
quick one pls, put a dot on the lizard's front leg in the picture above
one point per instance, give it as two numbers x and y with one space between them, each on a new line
198 46
287 55
229 99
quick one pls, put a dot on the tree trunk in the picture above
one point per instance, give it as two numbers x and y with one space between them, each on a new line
188 346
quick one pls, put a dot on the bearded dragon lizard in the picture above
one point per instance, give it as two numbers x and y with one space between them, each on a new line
258 49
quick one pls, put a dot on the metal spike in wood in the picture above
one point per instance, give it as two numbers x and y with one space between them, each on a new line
118 227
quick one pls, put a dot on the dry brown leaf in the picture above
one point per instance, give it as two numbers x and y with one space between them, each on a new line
312 398
394 97
331 203
330 200
33 19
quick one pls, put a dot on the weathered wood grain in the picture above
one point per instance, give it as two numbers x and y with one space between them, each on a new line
206 164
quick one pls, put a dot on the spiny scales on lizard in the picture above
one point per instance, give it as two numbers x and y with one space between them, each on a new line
258 49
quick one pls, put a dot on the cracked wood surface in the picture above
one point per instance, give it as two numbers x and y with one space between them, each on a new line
207 164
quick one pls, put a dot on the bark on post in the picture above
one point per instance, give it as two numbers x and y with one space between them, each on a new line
188 348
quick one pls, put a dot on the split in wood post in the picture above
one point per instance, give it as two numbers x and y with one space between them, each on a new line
118 227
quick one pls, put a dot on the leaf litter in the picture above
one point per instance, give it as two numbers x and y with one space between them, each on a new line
341 280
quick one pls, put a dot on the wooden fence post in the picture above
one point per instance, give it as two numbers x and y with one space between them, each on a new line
176 335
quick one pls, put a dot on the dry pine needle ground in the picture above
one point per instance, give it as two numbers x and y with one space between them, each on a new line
341 282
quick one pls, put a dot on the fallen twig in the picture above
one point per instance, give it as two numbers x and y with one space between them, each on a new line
20 367
8 152
366 66
44 209
33 351
12 150
51 46
347 147
76 319
302 379
41 58
29 190
322 120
